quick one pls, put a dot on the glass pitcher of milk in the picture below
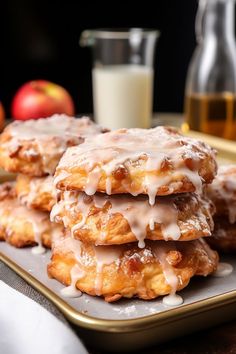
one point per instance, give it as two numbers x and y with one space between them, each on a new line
122 76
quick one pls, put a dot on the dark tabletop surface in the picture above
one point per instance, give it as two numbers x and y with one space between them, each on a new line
218 340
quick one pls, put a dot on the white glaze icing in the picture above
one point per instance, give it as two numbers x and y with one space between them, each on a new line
104 256
160 251
193 177
57 233
75 274
68 244
56 209
57 125
137 211
38 220
150 148
38 185
172 300
51 135
223 270
107 255
92 182
81 205
108 186
60 177
38 249
128 310
70 291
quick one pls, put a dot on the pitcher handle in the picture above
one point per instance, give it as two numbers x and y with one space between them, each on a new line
87 38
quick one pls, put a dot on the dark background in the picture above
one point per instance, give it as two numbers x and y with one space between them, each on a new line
39 40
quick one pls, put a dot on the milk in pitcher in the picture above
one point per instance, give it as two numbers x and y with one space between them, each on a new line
122 96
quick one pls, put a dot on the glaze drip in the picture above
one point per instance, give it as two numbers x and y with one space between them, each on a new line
160 262
161 153
223 270
38 220
38 185
160 251
137 211
75 274
51 136
104 256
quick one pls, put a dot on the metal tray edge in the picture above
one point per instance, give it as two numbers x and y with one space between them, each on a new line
122 326
225 148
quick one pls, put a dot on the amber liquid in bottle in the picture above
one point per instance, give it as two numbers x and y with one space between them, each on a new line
211 114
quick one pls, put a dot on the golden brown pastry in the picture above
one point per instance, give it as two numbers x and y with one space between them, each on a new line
36 192
34 147
223 238
127 271
222 192
157 161
7 191
118 219
21 226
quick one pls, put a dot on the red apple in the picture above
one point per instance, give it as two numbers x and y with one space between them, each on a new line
39 99
2 116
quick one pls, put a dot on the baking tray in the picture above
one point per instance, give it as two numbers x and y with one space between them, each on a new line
134 324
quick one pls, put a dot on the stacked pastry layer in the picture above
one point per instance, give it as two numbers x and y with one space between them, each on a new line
33 149
132 203
223 194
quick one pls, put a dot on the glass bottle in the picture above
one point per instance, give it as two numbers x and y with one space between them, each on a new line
210 97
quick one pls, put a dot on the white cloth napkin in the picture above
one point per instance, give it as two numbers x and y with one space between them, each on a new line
27 328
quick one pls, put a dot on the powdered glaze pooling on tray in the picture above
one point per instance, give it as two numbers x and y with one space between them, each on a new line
51 135
164 156
137 211
223 270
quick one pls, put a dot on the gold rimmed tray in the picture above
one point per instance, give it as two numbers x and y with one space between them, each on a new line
130 324
133 324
